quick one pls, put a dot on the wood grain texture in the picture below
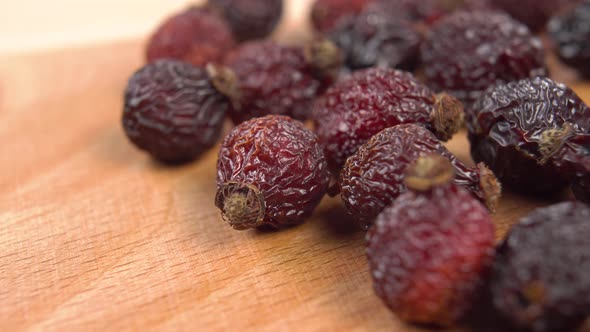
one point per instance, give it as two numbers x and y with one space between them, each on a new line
96 236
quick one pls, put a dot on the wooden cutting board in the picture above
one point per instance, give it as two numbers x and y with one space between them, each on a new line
96 236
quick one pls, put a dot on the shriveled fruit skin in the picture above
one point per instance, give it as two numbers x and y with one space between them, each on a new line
570 34
541 275
506 129
195 35
373 177
172 110
467 52
534 13
358 107
327 14
376 38
272 79
283 160
252 19
428 254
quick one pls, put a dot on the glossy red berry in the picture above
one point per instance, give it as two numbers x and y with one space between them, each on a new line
429 251
327 14
375 38
533 13
541 276
252 19
467 52
173 111
276 79
526 132
196 35
271 172
358 107
373 177
570 34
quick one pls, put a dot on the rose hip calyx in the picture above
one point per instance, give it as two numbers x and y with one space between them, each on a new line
242 205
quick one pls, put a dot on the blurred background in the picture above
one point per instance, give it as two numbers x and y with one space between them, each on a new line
32 25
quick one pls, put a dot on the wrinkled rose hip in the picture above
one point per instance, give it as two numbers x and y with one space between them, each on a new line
358 107
327 14
541 276
570 34
271 172
467 52
373 177
276 79
375 38
531 134
251 19
533 13
195 35
173 110
429 251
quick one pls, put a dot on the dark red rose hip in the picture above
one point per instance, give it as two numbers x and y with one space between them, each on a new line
528 133
251 19
533 13
173 111
375 38
196 36
429 251
467 52
373 177
358 107
277 79
570 34
429 11
541 275
327 14
271 172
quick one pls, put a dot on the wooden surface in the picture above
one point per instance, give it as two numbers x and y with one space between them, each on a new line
96 236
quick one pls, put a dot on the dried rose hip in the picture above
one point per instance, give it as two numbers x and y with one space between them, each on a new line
173 110
327 14
570 33
277 79
541 277
358 107
373 177
252 19
524 130
196 36
466 52
533 13
271 172
430 11
375 38
430 251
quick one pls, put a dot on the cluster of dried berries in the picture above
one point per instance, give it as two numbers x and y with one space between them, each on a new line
378 136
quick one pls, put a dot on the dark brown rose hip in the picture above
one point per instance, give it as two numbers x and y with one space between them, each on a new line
173 111
533 13
327 14
196 35
358 107
276 79
429 251
373 177
533 134
271 172
375 38
541 276
251 19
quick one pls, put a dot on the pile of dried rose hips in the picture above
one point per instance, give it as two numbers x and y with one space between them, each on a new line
376 140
